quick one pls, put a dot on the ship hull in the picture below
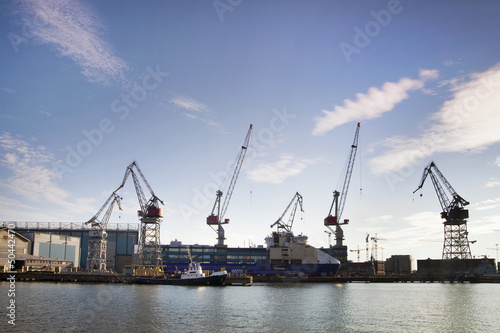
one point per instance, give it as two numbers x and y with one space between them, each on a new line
217 280
258 269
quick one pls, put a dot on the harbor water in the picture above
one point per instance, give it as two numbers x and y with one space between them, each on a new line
277 307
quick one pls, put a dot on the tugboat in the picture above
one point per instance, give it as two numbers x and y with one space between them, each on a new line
192 276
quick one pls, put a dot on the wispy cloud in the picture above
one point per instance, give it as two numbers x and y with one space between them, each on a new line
32 177
372 104
493 182
7 90
497 161
189 104
74 30
192 109
45 113
468 122
276 172
487 204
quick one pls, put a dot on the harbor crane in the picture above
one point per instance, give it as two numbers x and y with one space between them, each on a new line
339 198
358 250
367 241
96 256
456 244
296 201
150 216
375 240
216 218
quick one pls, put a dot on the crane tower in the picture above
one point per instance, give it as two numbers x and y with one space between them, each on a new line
96 256
456 243
216 218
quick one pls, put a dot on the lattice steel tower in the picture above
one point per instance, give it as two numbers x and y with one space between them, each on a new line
96 256
456 243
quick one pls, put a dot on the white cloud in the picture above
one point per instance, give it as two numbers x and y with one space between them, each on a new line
428 74
468 122
32 179
493 182
487 204
497 161
195 110
189 104
372 104
8 90
73 30
45 113
276 172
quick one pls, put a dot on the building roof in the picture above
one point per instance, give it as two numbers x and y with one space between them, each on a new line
20 257
16 233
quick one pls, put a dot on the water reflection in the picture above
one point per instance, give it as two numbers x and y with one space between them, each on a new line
280 307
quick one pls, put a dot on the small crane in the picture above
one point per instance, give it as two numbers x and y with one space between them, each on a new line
297 199
150 216
375 240
358 251
367 241
339 198
218 211
96 256
456 244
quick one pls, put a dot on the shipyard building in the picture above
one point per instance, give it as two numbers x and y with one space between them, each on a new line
68 241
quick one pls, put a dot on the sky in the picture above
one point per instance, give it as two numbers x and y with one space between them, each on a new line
87 87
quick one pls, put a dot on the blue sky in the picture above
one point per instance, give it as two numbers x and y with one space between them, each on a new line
86 87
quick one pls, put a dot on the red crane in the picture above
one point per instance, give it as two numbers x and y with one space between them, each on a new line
218 211
150 216
339 198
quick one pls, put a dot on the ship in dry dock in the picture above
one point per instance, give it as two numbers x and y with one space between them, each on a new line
284 254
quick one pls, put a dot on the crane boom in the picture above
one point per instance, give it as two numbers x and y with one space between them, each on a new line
297 198
101 225
350 165
453 208
236 173
148 207
218 211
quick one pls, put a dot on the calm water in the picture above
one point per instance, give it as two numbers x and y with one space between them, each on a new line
294 307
